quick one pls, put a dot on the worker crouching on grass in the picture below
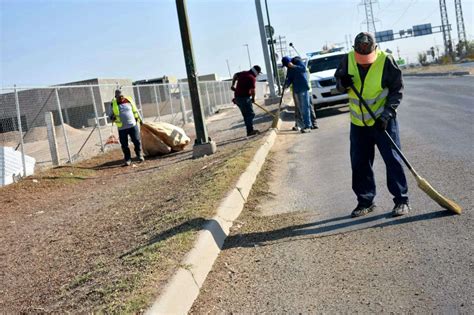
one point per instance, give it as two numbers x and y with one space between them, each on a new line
245 95
125 115
376 75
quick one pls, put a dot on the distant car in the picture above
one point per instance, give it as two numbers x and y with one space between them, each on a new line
322 67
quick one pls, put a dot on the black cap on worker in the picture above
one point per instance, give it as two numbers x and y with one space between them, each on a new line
365 48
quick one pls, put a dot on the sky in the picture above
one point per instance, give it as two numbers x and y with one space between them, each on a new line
46 42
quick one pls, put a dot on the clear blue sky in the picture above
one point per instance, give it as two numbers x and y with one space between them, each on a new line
55 41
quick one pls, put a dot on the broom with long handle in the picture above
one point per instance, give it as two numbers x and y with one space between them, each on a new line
422 183
277 116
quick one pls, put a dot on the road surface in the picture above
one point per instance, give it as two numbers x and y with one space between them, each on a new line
326 262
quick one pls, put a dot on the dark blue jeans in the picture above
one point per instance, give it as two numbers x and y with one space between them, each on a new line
134 134
245 105
363 142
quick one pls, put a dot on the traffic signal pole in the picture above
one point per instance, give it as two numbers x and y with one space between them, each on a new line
203 144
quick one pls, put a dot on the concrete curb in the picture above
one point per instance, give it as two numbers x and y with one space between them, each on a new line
183 288
435 74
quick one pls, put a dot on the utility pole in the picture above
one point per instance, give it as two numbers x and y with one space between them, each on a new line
263 39
398 52
448 46
248 54
203 144
462 39
272 50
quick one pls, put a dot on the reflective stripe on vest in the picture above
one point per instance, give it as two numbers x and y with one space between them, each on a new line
372 91
116 110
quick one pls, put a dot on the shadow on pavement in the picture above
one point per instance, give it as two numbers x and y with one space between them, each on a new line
265 238
332 111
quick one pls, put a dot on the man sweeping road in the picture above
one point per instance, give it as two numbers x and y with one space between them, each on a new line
378 78
245 95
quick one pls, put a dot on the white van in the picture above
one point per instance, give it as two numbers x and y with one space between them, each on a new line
322 67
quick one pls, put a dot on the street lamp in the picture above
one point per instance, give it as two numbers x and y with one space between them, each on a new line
272 50
248 54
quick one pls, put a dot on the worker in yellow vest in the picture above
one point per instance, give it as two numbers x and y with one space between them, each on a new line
376 75
125 115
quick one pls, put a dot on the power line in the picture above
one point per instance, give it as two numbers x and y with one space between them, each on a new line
404 12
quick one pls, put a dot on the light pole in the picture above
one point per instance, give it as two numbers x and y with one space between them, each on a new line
203 145
272 50
248 54
263 39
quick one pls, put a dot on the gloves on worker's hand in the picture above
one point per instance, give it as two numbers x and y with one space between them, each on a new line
382 122
232 88
346 81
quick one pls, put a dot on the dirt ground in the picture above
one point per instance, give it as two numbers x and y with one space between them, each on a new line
439 69
97 236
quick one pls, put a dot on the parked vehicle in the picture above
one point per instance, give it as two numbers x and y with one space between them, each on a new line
322 66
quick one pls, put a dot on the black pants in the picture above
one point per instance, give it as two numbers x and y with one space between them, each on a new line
134 134
245 105
363 142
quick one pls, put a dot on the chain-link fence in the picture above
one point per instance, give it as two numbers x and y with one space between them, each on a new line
63 124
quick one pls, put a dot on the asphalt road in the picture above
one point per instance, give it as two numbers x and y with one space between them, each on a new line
421 263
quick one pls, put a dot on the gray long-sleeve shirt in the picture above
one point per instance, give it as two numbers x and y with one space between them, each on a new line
391 79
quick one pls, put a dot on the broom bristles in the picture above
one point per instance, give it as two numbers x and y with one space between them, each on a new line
436 196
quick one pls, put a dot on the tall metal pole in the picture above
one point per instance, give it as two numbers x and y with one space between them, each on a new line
448 46
462 39
272 50
248 54
203 144
263 39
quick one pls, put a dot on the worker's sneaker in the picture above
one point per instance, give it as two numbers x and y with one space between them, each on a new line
400 209
127 163
295 128
315 126
360 211
253 133
306 130
140 158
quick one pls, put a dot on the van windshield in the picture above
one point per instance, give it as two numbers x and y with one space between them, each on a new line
326 63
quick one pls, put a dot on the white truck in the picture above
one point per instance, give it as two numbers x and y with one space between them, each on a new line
322 66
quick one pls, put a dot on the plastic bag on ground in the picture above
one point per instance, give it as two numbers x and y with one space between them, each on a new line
152 144
172 135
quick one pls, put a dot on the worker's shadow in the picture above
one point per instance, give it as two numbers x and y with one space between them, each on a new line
315 230
195 224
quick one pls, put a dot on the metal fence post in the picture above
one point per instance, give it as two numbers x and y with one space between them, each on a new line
139 99
182 104
171 102
53 144
157 102
97 121
20 129
219 87
208 99
214 92
66 140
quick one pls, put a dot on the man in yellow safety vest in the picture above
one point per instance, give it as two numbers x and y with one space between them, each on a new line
125 115
377 77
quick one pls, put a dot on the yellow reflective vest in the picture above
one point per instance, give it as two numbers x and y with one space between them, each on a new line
116 111
372 91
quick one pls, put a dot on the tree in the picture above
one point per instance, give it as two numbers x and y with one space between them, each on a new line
422 57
